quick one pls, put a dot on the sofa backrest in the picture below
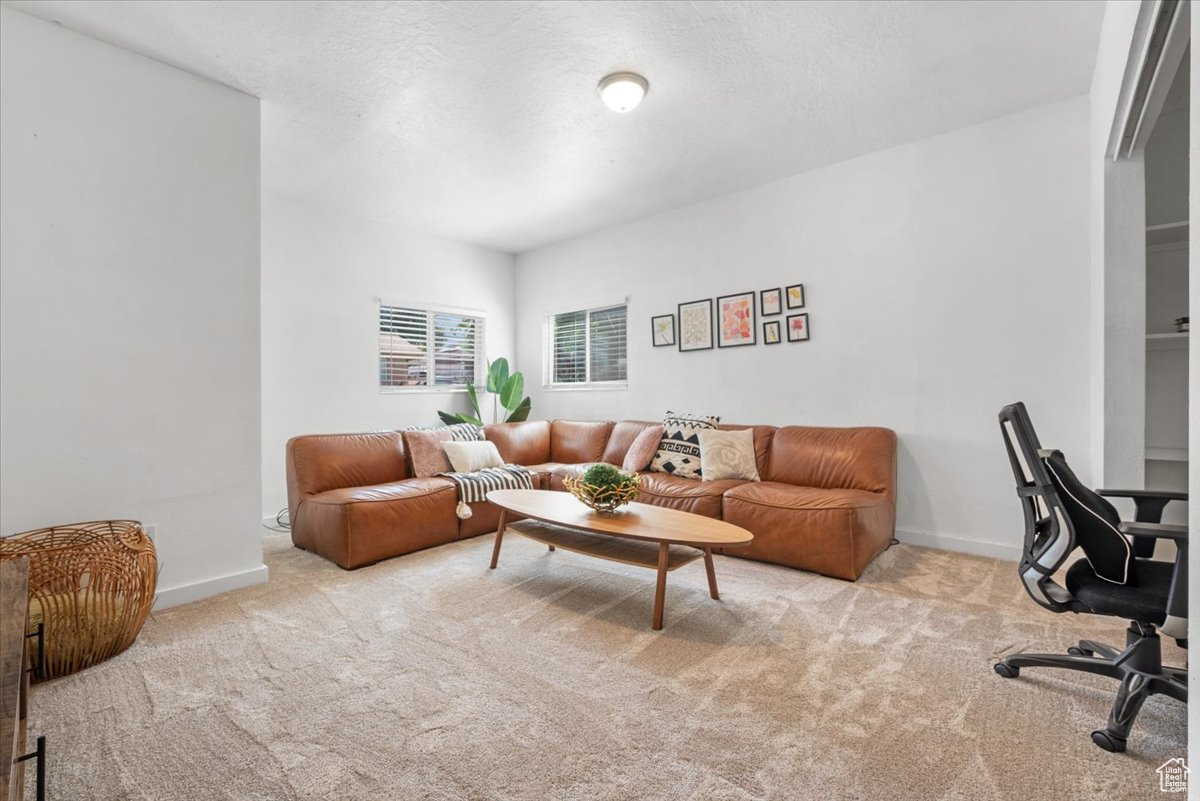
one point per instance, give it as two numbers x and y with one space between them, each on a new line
320 462
574 442
622 436
834 458
521 443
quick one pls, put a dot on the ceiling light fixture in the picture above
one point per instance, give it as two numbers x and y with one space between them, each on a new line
622 91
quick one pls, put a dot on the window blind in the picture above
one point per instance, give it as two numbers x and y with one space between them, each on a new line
588 347
425 348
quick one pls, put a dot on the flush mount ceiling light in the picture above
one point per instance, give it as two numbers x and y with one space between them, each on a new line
622 91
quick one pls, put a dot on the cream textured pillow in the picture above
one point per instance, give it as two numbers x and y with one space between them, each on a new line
467 457
727 454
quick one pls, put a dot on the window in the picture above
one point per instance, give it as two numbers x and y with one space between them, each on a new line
426 348
587 348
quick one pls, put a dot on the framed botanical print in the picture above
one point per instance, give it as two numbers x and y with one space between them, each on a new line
696 325
736 321
663 330
797 327
771 333
770 301
795 296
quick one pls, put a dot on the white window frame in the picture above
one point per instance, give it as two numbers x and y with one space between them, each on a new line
548 352
430 310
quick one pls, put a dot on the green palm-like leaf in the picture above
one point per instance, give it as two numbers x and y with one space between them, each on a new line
474 400
497 375
521 413
511 392
450 418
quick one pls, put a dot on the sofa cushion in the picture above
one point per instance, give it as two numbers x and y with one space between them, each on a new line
834 458
727 454
686 494
355 526
642 450
322 462
426 456
574 443
521 443
622 436
679 450
836 532
552 473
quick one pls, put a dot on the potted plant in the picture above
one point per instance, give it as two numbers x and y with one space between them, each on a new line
507 391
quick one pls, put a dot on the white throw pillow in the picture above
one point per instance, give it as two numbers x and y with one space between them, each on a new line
467 457
727 454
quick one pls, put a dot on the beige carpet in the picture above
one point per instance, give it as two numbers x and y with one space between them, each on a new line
430 677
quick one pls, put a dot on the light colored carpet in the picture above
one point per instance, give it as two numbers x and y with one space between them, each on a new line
431 677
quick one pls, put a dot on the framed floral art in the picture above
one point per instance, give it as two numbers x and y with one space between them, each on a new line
696 325
797 327
736 322
770 301
663 330
771 335
795 296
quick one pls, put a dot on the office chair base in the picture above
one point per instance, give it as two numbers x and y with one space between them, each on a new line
1139 668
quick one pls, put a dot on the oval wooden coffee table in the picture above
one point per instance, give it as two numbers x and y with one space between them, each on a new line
636 534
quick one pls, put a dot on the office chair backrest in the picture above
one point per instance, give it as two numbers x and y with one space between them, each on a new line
1049 536
1095 522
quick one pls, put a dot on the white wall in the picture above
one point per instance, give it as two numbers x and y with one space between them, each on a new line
945 278
1118 263
129 270
323 275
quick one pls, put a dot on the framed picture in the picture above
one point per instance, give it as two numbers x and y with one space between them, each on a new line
795 296
696 325
735 321
771 332
663 329
770 301
797 327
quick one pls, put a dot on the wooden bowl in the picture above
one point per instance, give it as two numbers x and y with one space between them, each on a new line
602 499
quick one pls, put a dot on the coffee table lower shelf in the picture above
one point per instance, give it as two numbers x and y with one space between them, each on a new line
663 557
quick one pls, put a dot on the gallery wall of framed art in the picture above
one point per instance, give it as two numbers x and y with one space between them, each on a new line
732 321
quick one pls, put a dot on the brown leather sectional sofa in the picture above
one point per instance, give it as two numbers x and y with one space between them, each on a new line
827 501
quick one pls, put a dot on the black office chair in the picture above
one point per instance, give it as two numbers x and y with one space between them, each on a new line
1111 579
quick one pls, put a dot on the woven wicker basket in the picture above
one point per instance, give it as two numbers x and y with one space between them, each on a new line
90 584
602 499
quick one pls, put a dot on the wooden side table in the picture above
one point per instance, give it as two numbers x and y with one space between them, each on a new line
15 667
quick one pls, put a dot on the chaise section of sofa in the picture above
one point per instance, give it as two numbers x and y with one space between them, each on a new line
351 499
828 503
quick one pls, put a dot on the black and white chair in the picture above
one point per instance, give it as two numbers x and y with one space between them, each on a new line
1113 578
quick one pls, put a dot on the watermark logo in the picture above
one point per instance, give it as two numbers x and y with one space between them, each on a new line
1172 776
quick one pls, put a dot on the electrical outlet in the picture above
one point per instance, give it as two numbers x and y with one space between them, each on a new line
151 532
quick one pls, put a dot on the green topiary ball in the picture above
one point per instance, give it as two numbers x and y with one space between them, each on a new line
605 475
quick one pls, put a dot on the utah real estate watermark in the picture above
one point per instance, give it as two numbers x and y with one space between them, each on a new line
1172 776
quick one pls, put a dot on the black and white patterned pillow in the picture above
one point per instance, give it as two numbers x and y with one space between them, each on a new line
460 432
679 450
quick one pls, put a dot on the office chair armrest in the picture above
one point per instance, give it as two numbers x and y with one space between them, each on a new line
1159 531
1166 495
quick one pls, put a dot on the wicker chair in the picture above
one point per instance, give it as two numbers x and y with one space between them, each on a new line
90 584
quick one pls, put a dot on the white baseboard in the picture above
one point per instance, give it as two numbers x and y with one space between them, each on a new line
186 593
1010 553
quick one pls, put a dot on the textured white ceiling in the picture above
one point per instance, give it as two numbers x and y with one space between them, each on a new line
480 120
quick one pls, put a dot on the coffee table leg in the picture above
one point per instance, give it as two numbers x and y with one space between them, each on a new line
660 590
712 575
499 537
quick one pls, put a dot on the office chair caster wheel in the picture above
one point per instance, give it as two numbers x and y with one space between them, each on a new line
1106 741
1007 671
1075 650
